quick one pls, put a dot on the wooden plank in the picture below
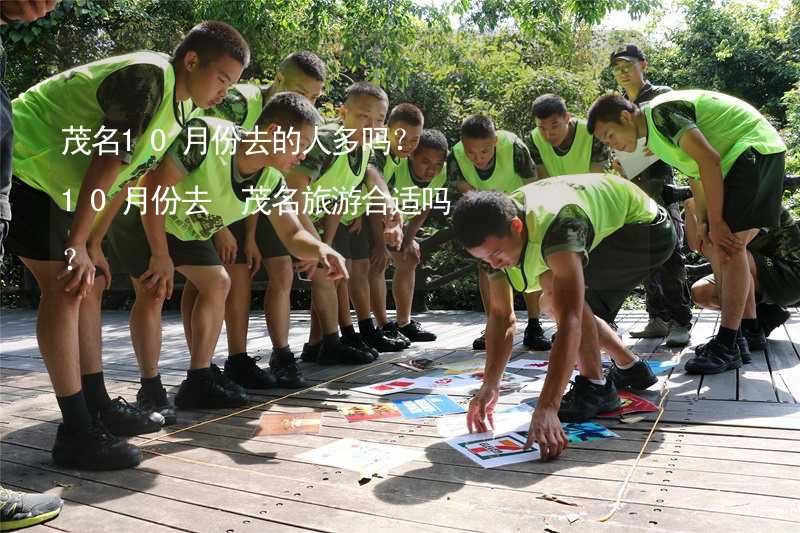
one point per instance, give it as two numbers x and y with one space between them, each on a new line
751 414
755 380
785 363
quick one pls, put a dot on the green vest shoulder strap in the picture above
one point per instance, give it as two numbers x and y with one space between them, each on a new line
410 197
577 160
504 178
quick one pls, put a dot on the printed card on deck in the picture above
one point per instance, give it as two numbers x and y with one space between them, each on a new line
660 367
357 413
430 405
529 364
390 387
288 423
491 450
630 404
366 458
443 382
511 419
587 431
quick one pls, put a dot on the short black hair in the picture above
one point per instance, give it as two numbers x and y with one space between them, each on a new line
306 62
433 139
548 105
212 39
607 108
477 126
479 215
287 110
365 88
405 112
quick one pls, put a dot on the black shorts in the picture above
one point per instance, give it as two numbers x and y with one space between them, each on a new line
623 260
778 280
754 191
354 245
131 251
41 228
269 244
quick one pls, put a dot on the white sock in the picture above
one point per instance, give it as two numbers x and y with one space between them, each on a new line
601 382
629 365
399 325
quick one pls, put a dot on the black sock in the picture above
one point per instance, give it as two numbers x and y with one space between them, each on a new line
94 391
331 341
727 337
74 412
750 325
153 383
366 326
237 355
199 374
348 331
283 351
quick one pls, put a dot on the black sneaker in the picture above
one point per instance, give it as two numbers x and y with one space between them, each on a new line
126 420
19 509
480 342
287 373
534 338
391 330
155 399
203 393
357 341
94 449
756 340
310 352
770 316
219 377
344 353
744 349
585 400
243 370
377 340
415 333
713 358
637 377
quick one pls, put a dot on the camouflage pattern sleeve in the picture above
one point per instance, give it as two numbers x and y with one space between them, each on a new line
600 152
129 98
570 231
674 118
453 171
523 163
320 157
189 157
233 107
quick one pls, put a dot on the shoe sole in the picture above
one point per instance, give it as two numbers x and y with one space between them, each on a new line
676 344
647 335
68 463
11 525
703 372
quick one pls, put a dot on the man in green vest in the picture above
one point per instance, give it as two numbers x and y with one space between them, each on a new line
736 161
404 129
153 241
588 240
669 303
253 242
495 160
560 143
133 105
324 185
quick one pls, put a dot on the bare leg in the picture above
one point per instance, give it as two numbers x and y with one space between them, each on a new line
735 284
208 313
145 324
532 302
237 308
188 297
377 294
277 299
359 288
90 337
403 285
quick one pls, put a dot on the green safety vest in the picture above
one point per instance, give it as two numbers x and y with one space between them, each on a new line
340 180
730 125
504 178
251 94
577 160
46 110
390 167
408 194
215 175
609 201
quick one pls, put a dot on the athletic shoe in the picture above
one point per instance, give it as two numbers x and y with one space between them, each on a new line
480 342
219 377
310 352
205 393
585 400
126 420
678 335
377 340
356 341
534 338
94 449
656 327
713 358
637 377
756 340
413 330
744 349
155 399
18 510
286 371
243 370
391 330
770 316
344 354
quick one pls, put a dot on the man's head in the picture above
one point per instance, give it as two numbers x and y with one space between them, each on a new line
430 156
292 114
612 120
301 72
211 58
404 127
479 139
552 118
365 107
487 224
628 64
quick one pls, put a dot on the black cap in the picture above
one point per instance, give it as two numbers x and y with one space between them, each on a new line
628 52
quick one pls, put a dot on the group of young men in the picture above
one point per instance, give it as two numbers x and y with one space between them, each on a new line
544 216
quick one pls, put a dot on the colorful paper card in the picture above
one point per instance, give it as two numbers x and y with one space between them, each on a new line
529 364
288 423
515 418
430 405
389 387
366 458
492 450
587 431
660 367
443 382
630 404
357 413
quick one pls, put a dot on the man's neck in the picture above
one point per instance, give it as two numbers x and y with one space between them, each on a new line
633 90
249 164
566 144
641 124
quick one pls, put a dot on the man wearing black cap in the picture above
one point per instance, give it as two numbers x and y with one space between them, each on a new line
668 297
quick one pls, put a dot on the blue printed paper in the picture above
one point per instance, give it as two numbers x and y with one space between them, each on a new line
587 431
660 367
431 405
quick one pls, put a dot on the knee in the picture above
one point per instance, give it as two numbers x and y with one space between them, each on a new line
281 276
359 268
704 294
216 285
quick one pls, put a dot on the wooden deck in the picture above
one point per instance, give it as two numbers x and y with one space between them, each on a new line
725 455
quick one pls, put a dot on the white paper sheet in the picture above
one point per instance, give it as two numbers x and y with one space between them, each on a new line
366 458
492 450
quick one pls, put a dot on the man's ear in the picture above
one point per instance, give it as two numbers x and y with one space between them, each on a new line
342 112
625 118
517 225
191 60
